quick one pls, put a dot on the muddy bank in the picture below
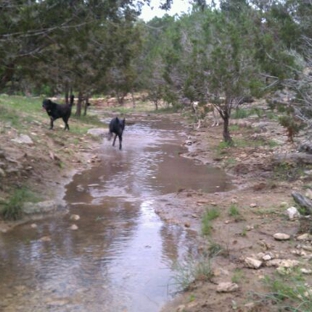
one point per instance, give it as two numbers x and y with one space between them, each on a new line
249 216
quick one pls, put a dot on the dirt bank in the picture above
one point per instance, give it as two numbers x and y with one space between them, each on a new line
248 218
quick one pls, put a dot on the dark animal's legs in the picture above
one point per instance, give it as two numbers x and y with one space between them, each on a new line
66 123
51 123
120 142
114 139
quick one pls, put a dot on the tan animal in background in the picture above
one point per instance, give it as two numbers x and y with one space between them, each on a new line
202 113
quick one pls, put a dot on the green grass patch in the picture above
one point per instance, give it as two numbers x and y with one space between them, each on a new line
238 276
289 292
209 215
190 270
12 208
234 211
287 171
240 113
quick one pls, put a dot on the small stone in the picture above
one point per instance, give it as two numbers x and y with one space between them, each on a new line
253 263
305 271
281 236
253 205
74 217
227 287
73 227
250 306
309 193
181 308
289 263
293 213
273 263
304 237
267 257
33 226
45 239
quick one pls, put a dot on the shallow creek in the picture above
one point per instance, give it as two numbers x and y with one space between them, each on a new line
122 256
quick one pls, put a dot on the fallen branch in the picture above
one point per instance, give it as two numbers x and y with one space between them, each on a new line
303 201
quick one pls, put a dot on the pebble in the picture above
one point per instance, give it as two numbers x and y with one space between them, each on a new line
227 287
74 217
281 236
253 263
304 237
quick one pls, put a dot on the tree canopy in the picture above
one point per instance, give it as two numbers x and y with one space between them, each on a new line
217 53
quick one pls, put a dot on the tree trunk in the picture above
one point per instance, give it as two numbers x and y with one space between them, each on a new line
133 100
79 104
86 106
7 75
226 132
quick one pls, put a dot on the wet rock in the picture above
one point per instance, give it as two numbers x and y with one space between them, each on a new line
73 227
253 263
74 217
281 236
227 287
293 213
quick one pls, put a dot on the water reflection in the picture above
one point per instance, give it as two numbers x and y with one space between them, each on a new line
121 256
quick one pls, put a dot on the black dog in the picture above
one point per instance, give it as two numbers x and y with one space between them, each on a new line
117 126
56 111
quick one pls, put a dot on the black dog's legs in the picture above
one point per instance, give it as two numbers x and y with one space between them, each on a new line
120 140
66 123
114 139
51 123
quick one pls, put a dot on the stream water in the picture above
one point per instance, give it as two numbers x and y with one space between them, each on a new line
122 255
